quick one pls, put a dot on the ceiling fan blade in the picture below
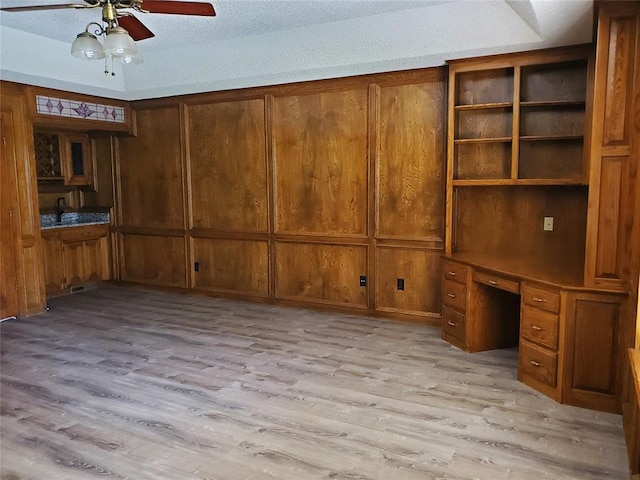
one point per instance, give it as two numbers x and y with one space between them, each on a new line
40 7
178 7
135 27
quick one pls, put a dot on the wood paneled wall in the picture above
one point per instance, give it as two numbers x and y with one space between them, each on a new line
292 193
21 250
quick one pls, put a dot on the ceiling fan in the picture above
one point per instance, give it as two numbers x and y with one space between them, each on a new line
114 12
120 28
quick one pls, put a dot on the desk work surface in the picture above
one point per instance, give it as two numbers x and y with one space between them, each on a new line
544 270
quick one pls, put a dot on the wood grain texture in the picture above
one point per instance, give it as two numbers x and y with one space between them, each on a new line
611 180
8 234
228 178
231 265
321 163
321 273
411 161
126 383
53 262
420 271
491 123
480 87
19 150
150 172
524 236
554 82
481 161
145 259
619 75
614 114
593 344
552 159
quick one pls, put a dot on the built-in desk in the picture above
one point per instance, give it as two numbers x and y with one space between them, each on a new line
567 333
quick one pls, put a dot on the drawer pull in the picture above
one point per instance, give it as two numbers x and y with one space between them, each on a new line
537 328
537 364
451 295
493 282
539 300
452 274
453 324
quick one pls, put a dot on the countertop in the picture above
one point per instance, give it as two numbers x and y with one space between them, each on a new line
73 219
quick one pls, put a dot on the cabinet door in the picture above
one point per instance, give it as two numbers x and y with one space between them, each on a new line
74 263
53 265
93 258
48 153
77 160
592 343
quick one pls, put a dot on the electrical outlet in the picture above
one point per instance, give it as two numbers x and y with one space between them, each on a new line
363 280
548 224
401 284
196 266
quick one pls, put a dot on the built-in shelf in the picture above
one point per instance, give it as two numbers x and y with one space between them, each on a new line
483 106
516 182
547 138
484 140
554 103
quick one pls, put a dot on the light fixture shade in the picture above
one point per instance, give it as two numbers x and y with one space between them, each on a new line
87 47
135 59
118 43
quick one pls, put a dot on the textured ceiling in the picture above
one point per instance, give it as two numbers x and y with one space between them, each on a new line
259 42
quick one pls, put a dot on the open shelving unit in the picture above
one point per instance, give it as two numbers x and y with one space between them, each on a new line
518 121
521 124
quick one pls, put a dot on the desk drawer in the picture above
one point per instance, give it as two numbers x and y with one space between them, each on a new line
497 281
540 298
539 327
538 362
455 295
454 271
453 323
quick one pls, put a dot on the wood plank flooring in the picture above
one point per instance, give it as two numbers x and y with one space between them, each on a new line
127 383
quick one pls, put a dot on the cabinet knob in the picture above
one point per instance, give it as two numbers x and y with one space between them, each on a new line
539 300
453 324
451 295
452 274
493 282
537 328
537 364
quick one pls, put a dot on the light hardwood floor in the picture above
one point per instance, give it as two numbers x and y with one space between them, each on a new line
130 383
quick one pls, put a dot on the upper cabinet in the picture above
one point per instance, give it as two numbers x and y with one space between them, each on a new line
519 119
64 157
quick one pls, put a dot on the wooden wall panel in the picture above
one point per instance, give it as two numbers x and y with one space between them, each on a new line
229 265
410 172
17 149
321 163
320 273
420 270
228 173
614 148
150 172
509 220
152 259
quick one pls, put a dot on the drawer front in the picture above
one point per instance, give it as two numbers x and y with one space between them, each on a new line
539 326
538 362
453 323
454 271
497 281
541 298
78 234
455 295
